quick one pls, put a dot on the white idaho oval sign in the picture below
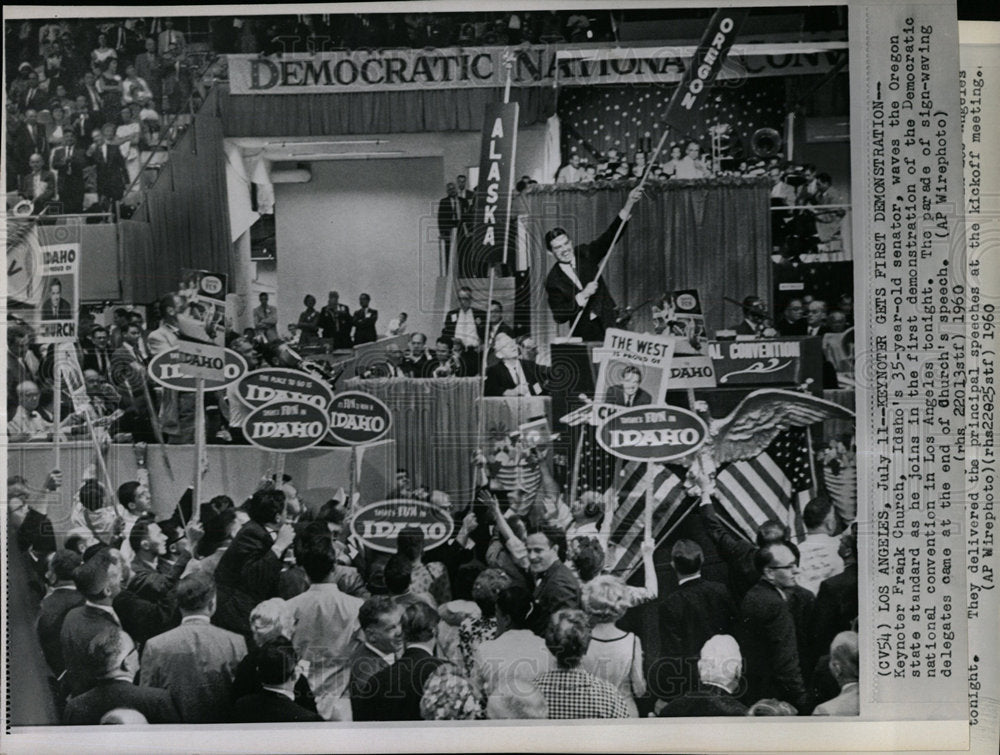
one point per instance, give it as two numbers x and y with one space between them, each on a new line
378 524
286 426
357 418
169 369
652 433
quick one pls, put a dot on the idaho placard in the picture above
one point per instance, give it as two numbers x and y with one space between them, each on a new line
286 426
357 418
378 524
278 384
172 369
652 433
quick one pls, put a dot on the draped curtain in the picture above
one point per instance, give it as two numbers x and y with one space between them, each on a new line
374 112
709 234
186 211
434 425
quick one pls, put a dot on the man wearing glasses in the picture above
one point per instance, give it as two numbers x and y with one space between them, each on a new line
767 629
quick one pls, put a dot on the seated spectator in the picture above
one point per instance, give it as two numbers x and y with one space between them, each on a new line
569 691
448 696
394 693
844 667
196 661
720 667
613 655
275 665
113 661
517 655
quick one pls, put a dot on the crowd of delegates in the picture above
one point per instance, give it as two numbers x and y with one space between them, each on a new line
273 611
85 101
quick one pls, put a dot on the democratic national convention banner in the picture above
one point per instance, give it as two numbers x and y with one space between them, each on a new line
299 72
634 368
54 317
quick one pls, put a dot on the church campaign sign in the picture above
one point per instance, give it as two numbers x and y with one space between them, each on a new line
378 524
286 426
173 369
54 318
652 433
357 417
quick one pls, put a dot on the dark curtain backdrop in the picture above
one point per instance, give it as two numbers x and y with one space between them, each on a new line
186 212
709 234
373 112
434 426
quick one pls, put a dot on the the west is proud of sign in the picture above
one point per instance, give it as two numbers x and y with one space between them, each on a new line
378 524
357 418
261 387
180 370
652 433
286 426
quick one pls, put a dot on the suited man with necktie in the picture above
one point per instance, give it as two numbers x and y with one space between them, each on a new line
69 161
628 392
55 307
97 356
34 97
512 376
112 175
29 139
572 284
449 217
39 185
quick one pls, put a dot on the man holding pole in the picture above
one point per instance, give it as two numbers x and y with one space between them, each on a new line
576 291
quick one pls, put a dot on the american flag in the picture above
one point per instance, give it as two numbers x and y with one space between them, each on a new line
777 484
628 481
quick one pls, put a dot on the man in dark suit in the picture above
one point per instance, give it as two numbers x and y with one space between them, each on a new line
115 661
98 355
467 196
466 322
379 618
335 322
449 217
572 284
556 587
39 185
754 321
84 122
739 554
55 307
767 630
248 571
836 604
719 669
28 138
99 580
628 392
512 376
69 161
274 702
112 175
816 318
416 362
394 693
792 323
56 605
689 616
364 320
34 97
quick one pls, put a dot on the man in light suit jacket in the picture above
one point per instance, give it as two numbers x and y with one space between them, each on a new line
39 185
573 285
195 661
844 667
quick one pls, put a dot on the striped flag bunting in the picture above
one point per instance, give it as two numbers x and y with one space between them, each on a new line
776 484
